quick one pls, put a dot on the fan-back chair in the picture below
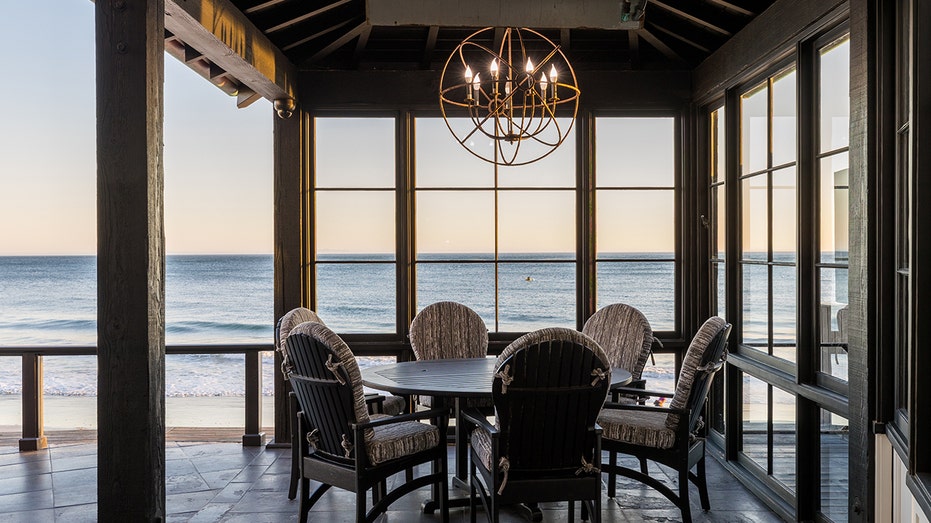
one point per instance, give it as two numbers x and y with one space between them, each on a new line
544 446
627 338
341 444
672 436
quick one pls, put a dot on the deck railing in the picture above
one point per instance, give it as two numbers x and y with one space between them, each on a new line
33 437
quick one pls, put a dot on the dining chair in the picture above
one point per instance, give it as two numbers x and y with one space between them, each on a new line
673 436
376 403
342 445
448 329
627 338
544 445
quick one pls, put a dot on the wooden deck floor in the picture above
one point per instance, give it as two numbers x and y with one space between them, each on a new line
220 481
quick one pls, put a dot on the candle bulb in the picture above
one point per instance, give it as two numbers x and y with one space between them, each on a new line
553 79
494 69
468 81
543 86
529 66
476 85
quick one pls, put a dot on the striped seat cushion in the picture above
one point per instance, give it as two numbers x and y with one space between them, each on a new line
481 443
638 428
394 405
400 439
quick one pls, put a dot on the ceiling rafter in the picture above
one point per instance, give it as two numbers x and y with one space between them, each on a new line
681 38
361 44
316 35
661 46
429 46
694 17
307 16
339 42
733 7
263 6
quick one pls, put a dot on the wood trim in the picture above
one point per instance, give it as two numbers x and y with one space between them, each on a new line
130 49
762 41
229 39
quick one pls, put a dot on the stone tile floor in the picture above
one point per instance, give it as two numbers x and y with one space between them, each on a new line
209 482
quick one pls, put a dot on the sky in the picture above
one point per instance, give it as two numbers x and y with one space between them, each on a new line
218 159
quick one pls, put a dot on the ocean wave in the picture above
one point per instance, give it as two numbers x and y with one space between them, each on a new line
198 326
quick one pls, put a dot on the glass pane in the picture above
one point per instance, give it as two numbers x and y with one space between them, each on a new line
784 437
784 312
755 444
441 162
204 299
337 142
784 215
357 222
555 170
535 295
835 95
755 218
648 286
662 375
756 306
472 284
357 297
835 443
635 152
832 321
835 224
754 144
536 221
635 222
204 390
718 145
784 118
70 388
451 223
720 284
719 198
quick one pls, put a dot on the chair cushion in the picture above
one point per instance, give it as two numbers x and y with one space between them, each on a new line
636 427
397 440
394 405
481 444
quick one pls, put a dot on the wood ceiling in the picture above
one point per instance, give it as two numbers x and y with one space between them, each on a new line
335 35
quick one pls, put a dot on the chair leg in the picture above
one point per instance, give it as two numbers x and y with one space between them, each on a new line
304 502
702 485
612 477
472 492
684 494
643 467
596 517
360 505
444 487
295 447
572 511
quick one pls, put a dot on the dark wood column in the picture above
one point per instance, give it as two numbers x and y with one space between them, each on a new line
130 261
290 169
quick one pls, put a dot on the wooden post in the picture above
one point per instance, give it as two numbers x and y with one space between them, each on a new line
33 431
253 437
130 260
290 174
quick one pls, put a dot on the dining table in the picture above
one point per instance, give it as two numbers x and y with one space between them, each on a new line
455 380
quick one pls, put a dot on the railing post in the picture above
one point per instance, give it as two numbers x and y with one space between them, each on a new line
33 430
253 437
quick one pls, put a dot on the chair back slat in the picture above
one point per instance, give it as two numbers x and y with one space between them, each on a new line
704 358
547 409
283 327
625 335
327 383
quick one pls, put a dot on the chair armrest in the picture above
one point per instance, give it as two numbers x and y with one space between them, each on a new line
477 418
423 414
644 408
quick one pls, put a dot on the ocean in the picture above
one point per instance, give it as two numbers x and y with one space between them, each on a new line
227 299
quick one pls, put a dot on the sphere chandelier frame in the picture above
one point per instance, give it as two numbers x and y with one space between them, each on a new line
515 101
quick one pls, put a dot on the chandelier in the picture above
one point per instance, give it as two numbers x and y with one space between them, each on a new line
509 94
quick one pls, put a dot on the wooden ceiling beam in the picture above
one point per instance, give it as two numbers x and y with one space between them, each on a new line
228 39
316 35
661 46
553 14
680 38
307 16
733 7
361 44
693 15
565 40
429 46
263 6
339 42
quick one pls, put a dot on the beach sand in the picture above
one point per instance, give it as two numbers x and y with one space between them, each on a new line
80 412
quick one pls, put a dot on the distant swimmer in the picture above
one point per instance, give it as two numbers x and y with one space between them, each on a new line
528 278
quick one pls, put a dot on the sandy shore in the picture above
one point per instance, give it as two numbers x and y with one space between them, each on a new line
80 412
